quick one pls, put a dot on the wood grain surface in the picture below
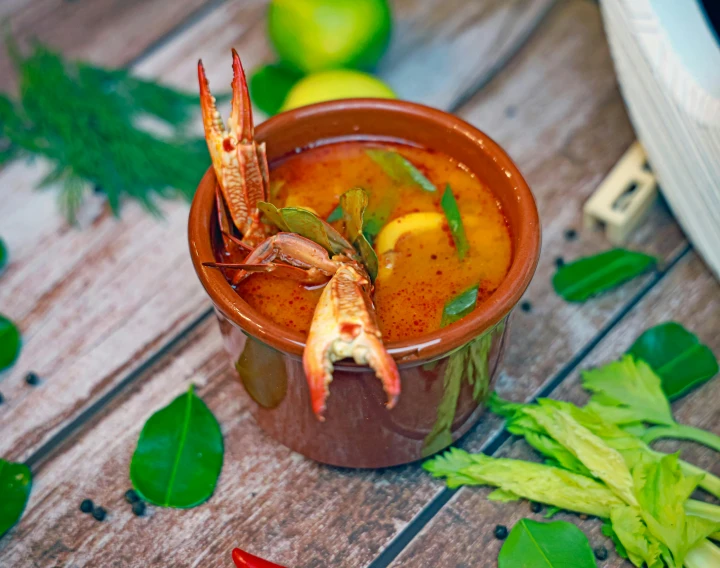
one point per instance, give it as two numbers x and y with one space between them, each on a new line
97 314
462 533
106 32
556 109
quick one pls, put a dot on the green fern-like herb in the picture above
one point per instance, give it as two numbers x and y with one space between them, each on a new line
85 121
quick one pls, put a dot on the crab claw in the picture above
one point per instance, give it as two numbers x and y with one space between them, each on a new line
344 325
240 164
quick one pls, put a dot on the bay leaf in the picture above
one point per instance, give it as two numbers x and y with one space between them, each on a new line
10 342
15 485
579 280
179 455
677 357
532 544
353 204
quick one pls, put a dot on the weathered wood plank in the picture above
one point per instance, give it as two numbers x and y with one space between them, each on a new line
689 295
303 514
97 314
107 32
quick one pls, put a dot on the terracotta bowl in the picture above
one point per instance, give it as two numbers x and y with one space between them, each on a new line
359 431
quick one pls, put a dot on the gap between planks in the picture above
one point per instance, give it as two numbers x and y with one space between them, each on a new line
75 426
405 537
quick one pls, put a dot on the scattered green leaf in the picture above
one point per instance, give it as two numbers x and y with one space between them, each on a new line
460 306
10 342
577 281
179 455
353 204
270 85
85 121
3 256
559 544
15 485
457 229
629 392
400 169
677 356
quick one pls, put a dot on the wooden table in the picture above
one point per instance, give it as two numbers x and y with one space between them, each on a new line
112 348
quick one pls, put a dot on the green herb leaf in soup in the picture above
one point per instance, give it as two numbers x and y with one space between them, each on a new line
335 215
586 277
306 224
400 169
179 455
676 356
559 544
460 306
15 485
3 256
10 342
457 229
353 204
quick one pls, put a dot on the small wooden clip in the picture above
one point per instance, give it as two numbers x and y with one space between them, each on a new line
621 201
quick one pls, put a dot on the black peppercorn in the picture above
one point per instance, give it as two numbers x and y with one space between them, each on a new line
526 306
559 261
32 379
99 513
131 497
601 552
571 234
535 507
86 506
138 508
501 532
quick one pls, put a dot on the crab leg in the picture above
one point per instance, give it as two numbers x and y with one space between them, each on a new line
240 164
344 325
296 252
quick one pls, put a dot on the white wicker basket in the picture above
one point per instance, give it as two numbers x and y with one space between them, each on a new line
667 59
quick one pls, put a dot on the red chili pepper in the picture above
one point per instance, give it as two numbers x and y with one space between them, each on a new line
243 559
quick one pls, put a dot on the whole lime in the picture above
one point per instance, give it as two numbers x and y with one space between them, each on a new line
335 84
315 35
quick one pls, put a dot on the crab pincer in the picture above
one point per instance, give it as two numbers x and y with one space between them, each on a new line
240 164
344 325
244 559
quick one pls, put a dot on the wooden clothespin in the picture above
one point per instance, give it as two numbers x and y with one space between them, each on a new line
624 197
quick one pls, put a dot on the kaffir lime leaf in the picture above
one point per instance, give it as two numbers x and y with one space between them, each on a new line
10 341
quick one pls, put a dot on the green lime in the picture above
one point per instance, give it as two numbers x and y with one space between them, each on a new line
270 85
314 35
10 341
336 84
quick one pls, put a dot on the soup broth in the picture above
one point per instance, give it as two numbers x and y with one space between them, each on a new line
420 269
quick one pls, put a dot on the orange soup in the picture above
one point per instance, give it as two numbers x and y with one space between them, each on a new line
407 221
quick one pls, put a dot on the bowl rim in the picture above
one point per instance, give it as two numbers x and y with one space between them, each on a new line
526 247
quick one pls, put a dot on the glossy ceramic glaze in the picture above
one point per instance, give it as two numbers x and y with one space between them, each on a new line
457 362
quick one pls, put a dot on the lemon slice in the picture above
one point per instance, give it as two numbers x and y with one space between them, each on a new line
411 223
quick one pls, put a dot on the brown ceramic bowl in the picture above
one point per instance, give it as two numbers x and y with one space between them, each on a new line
359 431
